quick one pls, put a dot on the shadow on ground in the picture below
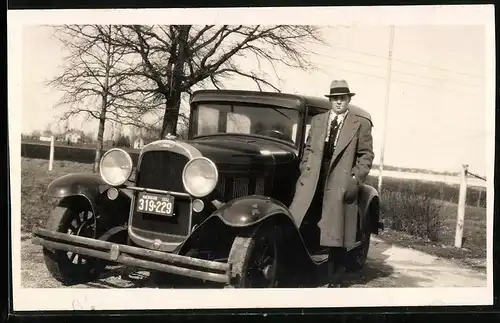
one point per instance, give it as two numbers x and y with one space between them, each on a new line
379 271
376 273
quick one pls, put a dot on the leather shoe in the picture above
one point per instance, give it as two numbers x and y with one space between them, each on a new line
335 278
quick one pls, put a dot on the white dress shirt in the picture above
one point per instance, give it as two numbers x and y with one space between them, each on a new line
340 121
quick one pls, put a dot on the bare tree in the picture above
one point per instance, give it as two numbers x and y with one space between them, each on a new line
175 58
91 80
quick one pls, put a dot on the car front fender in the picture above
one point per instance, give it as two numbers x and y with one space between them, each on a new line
240 217
249 210
89 186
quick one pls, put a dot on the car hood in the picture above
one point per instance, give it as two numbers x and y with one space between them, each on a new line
245 151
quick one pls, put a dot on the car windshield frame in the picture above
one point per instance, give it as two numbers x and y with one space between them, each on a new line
288 112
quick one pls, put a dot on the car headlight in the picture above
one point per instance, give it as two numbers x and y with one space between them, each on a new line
200 176
115 166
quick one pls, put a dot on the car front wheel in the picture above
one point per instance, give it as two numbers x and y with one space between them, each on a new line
67 267
254 259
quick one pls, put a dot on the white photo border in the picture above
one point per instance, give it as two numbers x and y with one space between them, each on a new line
118 299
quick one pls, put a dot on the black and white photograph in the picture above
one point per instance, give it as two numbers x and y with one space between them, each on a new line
252 157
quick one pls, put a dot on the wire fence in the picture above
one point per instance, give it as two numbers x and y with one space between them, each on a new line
475 175
459 231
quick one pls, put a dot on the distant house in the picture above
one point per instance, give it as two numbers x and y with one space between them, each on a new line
138 143
73 137
60 137
46 133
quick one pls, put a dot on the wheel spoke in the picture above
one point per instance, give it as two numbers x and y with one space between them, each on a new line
263 259
268 260
78 220
73 228
263 254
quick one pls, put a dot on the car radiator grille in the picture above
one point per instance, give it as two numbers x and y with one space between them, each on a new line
162 170
231 187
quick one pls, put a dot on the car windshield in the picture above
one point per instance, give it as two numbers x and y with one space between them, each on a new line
274 122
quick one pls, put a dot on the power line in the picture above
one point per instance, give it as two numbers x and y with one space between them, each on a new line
435 78
349 60
403 82
408 62
356 72
434 88
399 71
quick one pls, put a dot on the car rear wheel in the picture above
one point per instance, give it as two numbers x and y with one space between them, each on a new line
254 259
67 267
356 258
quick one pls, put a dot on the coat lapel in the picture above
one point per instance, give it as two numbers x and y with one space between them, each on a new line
323 126
347 132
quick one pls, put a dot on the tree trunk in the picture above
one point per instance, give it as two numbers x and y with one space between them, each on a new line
104 107
173 102
172 106
100 134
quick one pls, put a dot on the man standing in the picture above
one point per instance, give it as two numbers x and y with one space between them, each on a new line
338 156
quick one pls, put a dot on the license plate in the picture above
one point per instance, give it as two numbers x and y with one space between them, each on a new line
155 204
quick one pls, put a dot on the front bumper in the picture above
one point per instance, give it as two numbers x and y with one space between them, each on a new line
133 256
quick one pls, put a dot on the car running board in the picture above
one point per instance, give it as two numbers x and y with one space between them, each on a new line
321 256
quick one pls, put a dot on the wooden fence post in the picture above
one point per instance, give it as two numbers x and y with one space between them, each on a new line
459 231
50 139
51 160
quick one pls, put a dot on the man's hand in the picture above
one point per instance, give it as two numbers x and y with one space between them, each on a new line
351 191
364 152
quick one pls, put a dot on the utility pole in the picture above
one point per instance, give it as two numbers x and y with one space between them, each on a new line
387 95
459 231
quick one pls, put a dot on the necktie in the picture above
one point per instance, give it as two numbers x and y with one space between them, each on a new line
334 127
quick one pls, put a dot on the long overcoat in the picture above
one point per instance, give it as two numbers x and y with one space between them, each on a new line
352 157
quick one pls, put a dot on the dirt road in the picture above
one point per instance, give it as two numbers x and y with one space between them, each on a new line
387 266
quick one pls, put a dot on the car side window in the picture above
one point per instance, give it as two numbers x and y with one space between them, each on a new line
311 112
207 120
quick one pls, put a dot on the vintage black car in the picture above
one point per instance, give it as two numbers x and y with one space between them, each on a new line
212 207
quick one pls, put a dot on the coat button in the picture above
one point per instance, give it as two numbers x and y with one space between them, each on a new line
301 184
308 168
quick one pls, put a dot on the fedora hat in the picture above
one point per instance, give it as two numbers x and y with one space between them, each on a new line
339 87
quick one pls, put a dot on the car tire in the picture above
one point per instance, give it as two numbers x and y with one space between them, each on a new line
356 258
61 265
243 254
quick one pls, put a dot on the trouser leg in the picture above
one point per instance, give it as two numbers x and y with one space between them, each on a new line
336 255
310 229
336 266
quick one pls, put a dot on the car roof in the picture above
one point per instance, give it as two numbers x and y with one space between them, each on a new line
286 100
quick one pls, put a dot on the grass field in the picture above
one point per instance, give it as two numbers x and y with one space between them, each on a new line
35 207
473 250
35 176
476 196
33 142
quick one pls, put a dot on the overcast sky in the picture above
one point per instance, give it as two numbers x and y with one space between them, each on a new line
436 105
